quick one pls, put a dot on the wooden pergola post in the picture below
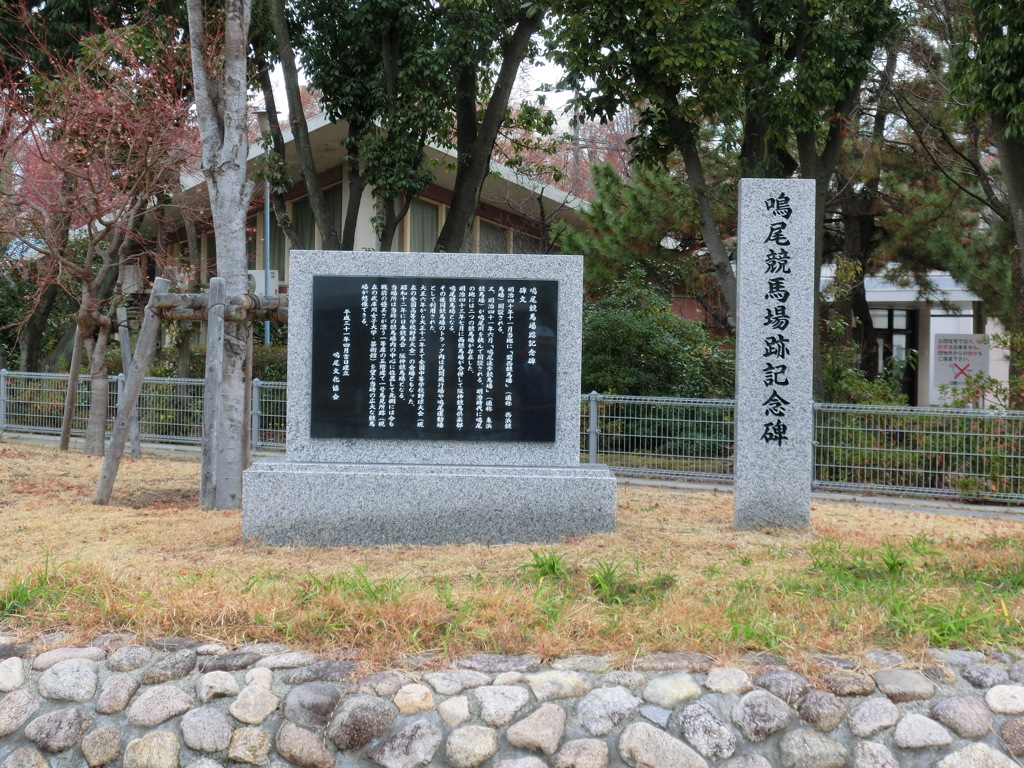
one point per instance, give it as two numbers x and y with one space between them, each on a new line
215 309
211 393
143 354
124 338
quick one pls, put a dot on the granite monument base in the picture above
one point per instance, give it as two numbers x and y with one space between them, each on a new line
381 504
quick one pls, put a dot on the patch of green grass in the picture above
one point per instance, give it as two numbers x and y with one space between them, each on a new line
355 585
613 584
545 565
901 580
945 626
45 587
550 602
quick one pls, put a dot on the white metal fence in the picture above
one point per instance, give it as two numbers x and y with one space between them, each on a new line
933 452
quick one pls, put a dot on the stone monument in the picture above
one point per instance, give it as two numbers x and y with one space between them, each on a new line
432 399
774 461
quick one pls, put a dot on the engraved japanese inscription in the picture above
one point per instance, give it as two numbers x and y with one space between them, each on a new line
433 358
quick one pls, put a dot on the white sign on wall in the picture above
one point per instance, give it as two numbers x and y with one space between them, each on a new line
957 356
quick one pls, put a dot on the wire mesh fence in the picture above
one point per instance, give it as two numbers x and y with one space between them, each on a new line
269 402
171 411
34 402
968 454
659 437
951 452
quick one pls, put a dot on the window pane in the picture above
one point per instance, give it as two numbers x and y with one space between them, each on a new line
492 238
333 199
899 319
523 243
302 221
278 243
422 222
899 347
250 243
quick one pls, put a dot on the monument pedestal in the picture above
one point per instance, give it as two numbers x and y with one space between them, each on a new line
332 504
433 398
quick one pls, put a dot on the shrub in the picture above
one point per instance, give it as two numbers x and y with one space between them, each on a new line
634 345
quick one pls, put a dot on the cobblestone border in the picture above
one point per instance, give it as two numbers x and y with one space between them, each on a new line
175 702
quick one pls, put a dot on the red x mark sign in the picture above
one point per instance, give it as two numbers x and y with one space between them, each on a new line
960 371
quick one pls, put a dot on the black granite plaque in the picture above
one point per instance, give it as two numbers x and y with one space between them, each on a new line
411 358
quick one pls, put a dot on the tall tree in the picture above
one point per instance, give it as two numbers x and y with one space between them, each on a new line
277 24
487 44
40 38
644 226
219 73
404 75
989 78
787 72
95 150
951 175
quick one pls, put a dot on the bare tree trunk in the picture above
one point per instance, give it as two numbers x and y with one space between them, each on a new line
187 330
212 393
69 398
30 338
393 215
133 386
270 103
221 108
1011 160
475 155
124 339
356 185
99 391
724 273
297 119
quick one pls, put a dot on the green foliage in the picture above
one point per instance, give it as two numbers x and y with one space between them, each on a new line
964 455
989 69
545 565
634 345
17 298
45 587
844 381
613 584
900 578
356 585
268 363
378 66
645 223
781 67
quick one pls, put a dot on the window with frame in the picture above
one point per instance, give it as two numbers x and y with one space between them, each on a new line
421 223
493 239
524 243
304 224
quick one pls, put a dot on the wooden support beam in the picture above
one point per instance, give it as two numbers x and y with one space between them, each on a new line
124 339
182 314
143 354
194 307
211 393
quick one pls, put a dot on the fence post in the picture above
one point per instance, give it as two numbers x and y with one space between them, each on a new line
254 429
3 399
592 431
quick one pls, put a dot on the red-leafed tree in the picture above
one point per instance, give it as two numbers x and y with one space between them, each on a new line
90 160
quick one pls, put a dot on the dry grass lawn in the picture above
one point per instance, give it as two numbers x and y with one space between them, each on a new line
675 576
